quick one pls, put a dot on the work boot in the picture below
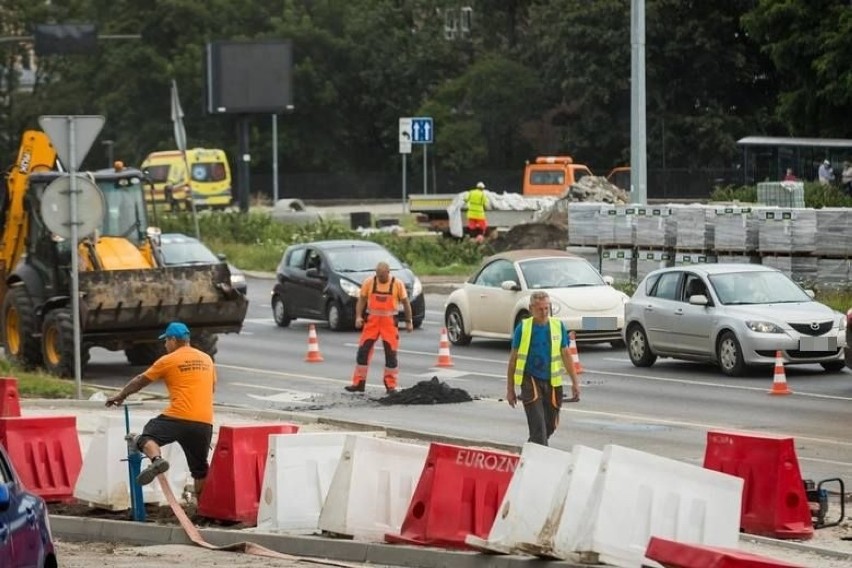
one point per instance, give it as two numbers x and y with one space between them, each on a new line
150 473
357 387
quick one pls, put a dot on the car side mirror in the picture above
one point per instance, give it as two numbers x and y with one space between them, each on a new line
5 498
609 280
222 257
810 293
699 300
510 285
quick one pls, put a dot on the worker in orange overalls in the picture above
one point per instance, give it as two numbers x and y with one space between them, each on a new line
379 294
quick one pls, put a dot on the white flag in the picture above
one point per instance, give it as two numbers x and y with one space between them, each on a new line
177 119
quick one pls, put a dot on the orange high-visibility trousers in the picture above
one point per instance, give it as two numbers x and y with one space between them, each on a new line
375 328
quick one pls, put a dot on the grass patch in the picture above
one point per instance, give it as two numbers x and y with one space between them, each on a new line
263 256
427 269
836 299
35 384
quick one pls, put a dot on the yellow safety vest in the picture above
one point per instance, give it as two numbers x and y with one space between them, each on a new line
476 204
556 366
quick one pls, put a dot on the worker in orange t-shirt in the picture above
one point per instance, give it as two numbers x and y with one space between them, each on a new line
379 294
190 378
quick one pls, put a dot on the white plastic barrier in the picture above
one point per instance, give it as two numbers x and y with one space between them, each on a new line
371 488
527 502
639 495
103 479
299 470
565 519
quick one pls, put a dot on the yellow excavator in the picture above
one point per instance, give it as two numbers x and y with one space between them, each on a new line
126 296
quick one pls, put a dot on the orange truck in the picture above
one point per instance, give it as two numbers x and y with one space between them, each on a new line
552 176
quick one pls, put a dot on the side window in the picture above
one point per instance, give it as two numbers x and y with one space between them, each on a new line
694 286
650 284
297 258
666 287
312 259
495 273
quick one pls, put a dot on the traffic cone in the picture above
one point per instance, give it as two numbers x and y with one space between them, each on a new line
779 381
314 355
572 349
444 359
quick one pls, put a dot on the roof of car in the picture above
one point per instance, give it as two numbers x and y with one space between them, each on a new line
340 243
525 254
709 269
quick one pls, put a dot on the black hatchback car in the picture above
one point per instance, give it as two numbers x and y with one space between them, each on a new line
322 280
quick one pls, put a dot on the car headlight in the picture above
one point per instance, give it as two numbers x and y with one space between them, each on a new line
763 327
350 289
417 288
238 279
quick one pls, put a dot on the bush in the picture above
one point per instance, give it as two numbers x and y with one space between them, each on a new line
816 195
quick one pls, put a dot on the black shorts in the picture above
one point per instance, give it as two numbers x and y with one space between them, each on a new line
193 437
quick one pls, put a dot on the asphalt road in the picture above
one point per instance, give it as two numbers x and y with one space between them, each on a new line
666 409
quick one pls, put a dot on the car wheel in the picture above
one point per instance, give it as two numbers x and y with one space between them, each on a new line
418 323
279 312
638 347
730 355
454 322
335 317
834 366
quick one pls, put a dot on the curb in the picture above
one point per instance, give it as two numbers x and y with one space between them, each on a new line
145 534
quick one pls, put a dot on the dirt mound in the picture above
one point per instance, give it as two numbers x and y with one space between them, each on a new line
532 236
432 391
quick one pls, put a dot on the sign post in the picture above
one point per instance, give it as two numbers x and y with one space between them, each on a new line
72 137
405 150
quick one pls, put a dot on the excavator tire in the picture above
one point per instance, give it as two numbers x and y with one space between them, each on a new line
144 354
20 329
207 342
57 343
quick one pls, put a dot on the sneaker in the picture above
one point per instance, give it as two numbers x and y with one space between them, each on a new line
151 472
360 387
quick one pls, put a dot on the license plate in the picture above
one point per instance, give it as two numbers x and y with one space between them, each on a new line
600 324
818 344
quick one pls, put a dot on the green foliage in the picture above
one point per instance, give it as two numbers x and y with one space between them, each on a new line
816 195
40 385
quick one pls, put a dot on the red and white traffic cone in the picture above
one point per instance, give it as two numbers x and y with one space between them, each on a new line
444 359
575 356
779 380
314 355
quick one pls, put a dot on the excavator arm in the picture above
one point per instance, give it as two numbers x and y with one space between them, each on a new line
36 154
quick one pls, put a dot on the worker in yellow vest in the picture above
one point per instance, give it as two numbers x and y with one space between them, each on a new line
476 201
539 357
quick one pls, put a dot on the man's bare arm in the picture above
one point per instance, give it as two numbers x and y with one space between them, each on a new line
136 384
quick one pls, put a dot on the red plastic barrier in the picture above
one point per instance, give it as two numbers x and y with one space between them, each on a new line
459 493
673 554
10 400
45 451
235 479
774 501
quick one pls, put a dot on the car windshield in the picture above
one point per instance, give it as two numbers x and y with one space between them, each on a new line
354 259
559 273
125 214
185 251
758 287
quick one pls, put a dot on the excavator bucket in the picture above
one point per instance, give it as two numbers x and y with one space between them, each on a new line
143 302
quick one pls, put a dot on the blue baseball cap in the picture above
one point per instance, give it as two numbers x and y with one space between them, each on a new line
176 330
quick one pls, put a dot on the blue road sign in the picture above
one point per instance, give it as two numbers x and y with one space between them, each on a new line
422 130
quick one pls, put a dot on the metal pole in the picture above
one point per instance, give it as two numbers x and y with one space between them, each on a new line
425 170
404 186
638 151
274 159
75 262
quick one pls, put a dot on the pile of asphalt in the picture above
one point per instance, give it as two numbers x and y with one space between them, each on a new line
432 391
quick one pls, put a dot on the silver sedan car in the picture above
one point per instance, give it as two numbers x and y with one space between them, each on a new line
735 315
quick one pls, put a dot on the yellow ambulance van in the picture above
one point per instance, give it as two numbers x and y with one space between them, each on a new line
209 180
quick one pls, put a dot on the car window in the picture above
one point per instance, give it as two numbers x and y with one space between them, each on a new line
757 287
312 259
559 272
496 273
178 252
666 286
361 259
296 258
650 283
694 286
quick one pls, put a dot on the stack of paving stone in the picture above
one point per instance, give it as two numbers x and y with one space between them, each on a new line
652 228
834 232
789 194
785 231
583 223
802 269
650 260
617 225
692 227
619 263
735 229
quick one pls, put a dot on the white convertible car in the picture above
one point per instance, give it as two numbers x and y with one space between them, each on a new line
496 298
